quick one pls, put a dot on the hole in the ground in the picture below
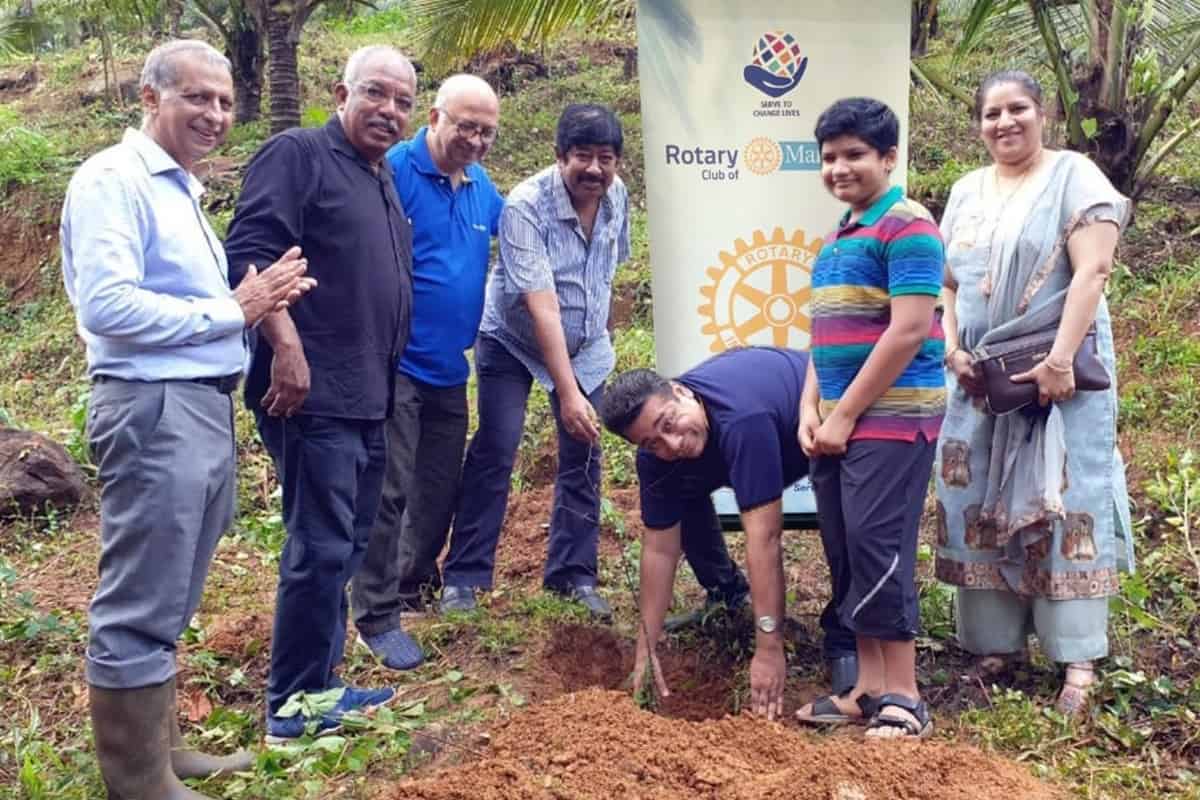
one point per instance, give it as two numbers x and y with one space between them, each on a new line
700 672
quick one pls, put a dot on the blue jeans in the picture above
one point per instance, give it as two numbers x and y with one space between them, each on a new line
332 472
504 385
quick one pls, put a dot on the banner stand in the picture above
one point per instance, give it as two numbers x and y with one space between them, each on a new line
731 91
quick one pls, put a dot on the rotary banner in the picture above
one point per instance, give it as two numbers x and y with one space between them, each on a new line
731 91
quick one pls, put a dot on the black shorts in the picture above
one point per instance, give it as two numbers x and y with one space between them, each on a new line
869 503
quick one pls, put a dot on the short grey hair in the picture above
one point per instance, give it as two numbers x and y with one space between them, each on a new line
161 70
360 57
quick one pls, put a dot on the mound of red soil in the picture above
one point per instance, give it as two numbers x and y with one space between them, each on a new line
598 744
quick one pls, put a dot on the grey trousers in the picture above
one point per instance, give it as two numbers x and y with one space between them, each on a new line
167 467
426 436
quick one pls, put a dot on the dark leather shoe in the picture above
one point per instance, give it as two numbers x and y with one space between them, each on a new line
843 673
457 598
596 605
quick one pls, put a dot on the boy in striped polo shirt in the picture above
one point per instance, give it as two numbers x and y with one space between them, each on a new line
871 410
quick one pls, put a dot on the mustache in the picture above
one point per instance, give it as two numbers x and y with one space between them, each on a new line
381 122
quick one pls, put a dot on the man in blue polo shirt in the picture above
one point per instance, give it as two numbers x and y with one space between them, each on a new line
454 209
731 421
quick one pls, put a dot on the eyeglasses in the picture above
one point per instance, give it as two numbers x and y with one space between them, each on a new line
467 128
379 96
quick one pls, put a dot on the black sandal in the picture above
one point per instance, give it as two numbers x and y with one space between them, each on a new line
826 712
921 729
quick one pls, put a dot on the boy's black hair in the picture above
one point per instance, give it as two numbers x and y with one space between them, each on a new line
588 125
627 394
1029 85
864 117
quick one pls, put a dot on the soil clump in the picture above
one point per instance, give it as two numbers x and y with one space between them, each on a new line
598 744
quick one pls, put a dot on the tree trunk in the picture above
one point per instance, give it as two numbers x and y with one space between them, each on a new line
173 11
246 55
1097 83
112 89
924 26
282 70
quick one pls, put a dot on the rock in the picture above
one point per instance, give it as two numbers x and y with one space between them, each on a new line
848 791
19 84
34 472
97 92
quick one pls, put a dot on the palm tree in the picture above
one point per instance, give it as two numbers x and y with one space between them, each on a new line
1123 68
452 31
240 24
285 20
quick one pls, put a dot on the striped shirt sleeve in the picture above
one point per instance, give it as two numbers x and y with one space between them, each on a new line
623 246
524 256
915 259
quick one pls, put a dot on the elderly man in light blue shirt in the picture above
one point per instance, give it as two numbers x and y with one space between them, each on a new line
562 233
147 277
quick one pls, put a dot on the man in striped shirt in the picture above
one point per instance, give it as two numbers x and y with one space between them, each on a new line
562 233
872 409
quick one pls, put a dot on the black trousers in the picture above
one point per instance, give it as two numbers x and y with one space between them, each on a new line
332 471
870 501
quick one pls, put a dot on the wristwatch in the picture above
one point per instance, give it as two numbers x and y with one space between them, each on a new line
767 623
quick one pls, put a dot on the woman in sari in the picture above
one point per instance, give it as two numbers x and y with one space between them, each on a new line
1033 516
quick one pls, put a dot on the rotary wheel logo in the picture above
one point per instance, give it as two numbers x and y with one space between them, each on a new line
760 294
763 156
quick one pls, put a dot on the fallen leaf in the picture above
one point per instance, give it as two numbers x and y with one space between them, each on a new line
195 705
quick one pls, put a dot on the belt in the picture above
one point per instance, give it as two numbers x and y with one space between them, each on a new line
226 384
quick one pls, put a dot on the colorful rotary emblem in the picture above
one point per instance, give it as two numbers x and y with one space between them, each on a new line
776 65
760 294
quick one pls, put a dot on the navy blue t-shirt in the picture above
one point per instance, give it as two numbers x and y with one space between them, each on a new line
752 397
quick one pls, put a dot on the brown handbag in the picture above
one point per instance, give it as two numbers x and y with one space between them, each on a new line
1001 360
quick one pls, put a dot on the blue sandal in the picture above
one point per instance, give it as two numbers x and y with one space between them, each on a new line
921 729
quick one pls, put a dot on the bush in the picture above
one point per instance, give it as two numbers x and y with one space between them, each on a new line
25 154
392 18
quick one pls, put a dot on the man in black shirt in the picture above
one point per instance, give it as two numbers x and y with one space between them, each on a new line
320 382
730 421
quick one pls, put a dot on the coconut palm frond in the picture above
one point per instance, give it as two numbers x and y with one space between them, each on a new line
449 30
1009 26
15 35
1174 25
1012 32
980 18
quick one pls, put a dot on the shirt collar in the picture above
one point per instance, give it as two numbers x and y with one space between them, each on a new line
877 209
342 144
423 159
157 160
562 198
